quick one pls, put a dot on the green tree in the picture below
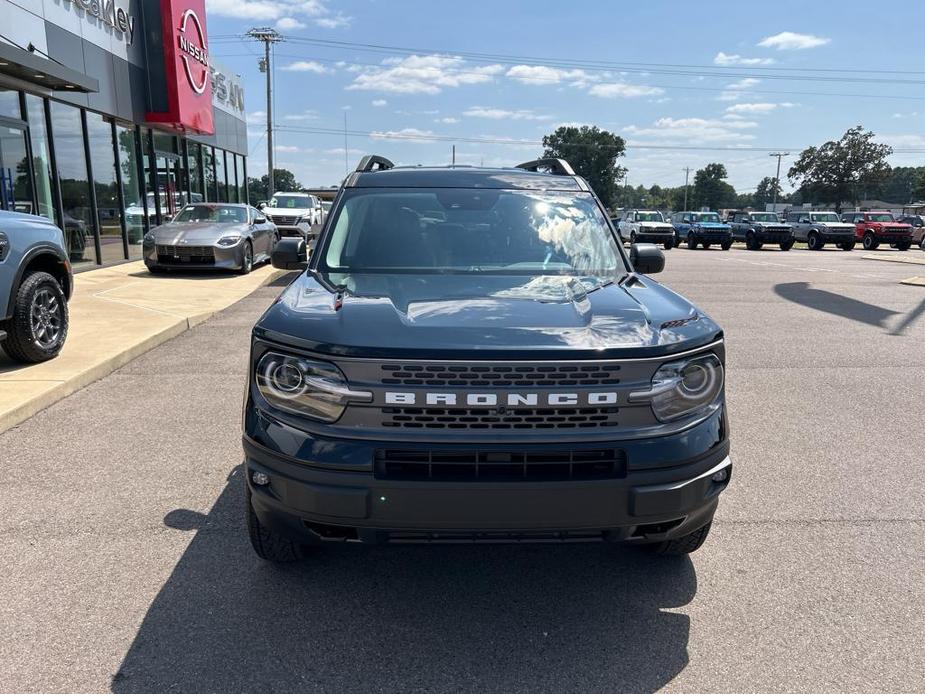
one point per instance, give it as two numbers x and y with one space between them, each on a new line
918 186
283 181
764 193
710 188
593 153
899 186
843 170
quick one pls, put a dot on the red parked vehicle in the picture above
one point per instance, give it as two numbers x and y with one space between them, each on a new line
873 228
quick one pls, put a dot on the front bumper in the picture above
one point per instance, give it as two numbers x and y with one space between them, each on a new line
331 489
655 236
837 236
223 258
774 236
303 230
710 236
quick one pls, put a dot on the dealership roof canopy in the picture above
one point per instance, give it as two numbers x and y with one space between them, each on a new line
28 66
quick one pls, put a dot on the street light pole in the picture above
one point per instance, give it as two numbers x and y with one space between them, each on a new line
687 173
268 36
779 155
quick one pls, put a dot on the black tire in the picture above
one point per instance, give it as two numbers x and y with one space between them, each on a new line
847 245
669 245
706 245
632 237
691 242
726 245
904 245
870 242
38 328
814 241
268 545
750 243
247 262
786 245
677 242
683 545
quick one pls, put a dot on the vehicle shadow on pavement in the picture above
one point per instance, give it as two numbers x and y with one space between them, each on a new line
836 304
408 618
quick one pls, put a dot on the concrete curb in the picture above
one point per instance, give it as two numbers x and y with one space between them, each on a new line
36 403
916 281
896 259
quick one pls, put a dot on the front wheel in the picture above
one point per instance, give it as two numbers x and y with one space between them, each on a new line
270 545
814 241
691 242
750 242
247 262
904 245
848 246
39 324
668 245
683 545
706 245
870 242
726 245
786 245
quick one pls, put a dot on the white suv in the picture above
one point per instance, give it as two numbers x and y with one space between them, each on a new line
294 214
647 226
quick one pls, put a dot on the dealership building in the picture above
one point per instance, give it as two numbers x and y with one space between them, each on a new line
112 116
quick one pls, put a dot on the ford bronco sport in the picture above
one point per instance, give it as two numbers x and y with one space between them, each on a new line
874 228
471 356
35 285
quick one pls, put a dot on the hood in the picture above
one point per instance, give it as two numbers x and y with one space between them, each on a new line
898 226
776 225
655 225
712 225
459 315
835 225
195 233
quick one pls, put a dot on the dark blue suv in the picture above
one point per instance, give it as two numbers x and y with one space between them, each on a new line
470 355
702 228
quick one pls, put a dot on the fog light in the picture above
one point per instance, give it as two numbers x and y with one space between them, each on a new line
262 479
721 476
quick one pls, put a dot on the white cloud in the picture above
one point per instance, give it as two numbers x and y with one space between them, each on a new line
256 117
379 102
288 14
736 59
503 114
792 41
416 74
404 135
290 23
305 115
449 120
306 66
286 148
735 89
757 108
694 130
543 75
615 90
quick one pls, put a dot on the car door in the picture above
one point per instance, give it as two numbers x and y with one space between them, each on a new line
262 230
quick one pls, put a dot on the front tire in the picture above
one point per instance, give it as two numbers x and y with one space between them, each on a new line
726 245
247 262
904 245
706 245
668 245
786 245
683 545
38 328
268 545
847 246
814 241
870 242
691 242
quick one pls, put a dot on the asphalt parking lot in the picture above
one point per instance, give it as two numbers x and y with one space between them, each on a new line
126 565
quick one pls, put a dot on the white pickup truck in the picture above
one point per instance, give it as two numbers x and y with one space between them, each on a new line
647 226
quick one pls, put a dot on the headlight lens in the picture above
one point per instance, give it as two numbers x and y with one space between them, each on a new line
306 387
684 388
148 240
229 240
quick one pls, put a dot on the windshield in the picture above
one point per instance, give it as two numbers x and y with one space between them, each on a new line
476 231
706 217
649 217
220 214
291 201
764 217
825 217
880 217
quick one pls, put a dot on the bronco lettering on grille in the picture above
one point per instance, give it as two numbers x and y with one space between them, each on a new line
509 399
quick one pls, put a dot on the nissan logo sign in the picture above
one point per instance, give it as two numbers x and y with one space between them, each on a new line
194 54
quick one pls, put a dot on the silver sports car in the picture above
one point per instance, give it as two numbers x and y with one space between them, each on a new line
211 235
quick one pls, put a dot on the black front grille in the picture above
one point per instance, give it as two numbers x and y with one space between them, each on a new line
203 255
516 376
287 221
489 466
488 418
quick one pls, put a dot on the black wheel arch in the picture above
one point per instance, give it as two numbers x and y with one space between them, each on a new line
43 257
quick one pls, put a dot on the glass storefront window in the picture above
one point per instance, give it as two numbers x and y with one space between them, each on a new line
41 159
109 213
15 186
220 175
9 103
242 183
75 188
208 163
194 167
131 189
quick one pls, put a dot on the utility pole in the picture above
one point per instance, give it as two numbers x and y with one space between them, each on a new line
346 151
454 155
687 173
268 36
779 155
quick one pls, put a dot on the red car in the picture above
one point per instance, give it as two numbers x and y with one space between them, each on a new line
873 228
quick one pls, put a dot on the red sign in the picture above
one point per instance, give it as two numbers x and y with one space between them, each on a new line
186 67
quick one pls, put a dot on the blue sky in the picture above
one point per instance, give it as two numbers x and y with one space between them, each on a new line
526 80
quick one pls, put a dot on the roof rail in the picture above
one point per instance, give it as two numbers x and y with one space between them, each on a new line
373 162
560 167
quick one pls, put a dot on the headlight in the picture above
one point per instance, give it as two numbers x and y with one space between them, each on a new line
307 387
229 240
684 388
148 240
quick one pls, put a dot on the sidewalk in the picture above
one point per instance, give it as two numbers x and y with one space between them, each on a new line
116 314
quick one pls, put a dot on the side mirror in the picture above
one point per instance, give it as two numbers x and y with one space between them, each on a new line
290 254
262 205
804 220
647 258
260 220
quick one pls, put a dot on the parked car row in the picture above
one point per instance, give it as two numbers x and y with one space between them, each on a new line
755 229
